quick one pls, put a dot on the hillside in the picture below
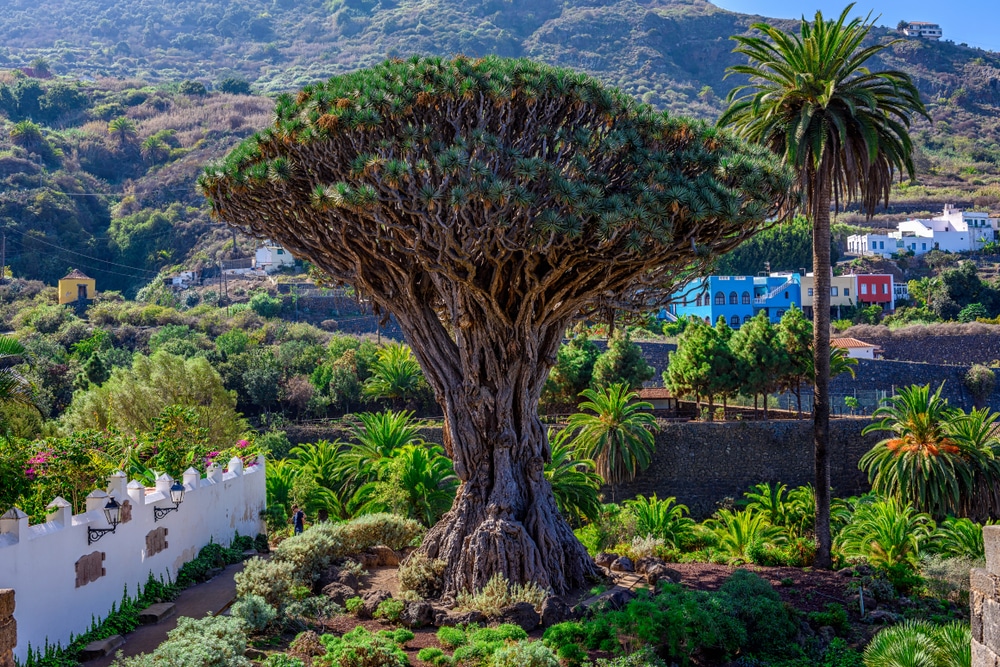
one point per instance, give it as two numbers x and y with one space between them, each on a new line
122 205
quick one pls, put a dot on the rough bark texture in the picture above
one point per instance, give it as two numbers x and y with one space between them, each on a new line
821 386
487 204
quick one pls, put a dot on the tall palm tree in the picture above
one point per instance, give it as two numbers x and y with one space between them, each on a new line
124 130
618 436
845 131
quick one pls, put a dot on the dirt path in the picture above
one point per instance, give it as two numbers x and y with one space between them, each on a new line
211 596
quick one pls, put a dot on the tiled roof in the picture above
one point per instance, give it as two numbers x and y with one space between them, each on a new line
654 393
76 274
846 343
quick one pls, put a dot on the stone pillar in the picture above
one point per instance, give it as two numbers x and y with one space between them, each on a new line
985 600
8 628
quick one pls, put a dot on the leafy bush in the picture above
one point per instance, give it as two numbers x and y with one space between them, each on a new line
643 658
525 654
736 531
267 579
255 612
769 624
499 593
452 637
835 616
958 538
282 660
353 604
433 655
506 632
213 641
389 610
422 574
361 648
886 533
265 305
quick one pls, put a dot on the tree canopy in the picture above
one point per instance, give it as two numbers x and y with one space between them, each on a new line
486 204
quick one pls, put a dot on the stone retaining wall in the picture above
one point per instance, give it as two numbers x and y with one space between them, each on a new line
8 628
985 600
702 464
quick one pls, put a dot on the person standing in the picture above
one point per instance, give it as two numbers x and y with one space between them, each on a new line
298 519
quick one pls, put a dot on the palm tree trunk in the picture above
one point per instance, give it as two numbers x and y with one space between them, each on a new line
821 361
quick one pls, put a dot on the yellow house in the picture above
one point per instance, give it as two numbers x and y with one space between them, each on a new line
842 290
75 286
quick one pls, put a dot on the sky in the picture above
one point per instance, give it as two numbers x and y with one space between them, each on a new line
975 22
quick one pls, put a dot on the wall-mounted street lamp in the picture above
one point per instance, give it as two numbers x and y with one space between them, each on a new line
112 512
176 497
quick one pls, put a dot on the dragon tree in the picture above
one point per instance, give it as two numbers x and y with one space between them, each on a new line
488 204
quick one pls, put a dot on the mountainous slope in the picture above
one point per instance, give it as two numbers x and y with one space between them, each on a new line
171 69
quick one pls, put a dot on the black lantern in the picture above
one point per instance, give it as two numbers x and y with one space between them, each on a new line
112 512
176 497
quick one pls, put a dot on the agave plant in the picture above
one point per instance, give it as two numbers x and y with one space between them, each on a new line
738 530
664 519
886 533
922 463
921 644
574 483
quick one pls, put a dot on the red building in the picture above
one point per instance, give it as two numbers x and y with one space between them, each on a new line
875 289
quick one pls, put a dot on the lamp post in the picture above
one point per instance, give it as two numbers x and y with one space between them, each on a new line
112 512
176 497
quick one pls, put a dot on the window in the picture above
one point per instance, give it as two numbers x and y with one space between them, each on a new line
810 291
746 297
734 299
697 301
786 295
734 321
847 291
720 299
833 291
874 245
864 288
780 313
885 288
923 246
746 318
280 251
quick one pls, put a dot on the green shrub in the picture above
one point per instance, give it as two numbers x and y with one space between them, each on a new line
835 616
571 655
525 654
213 641
433 655
768 622
422 575
644 658
353 604
282 660
264 305
505 632
452 637
476 654
499 593
389 610
361 648
399 635
268 579
255 612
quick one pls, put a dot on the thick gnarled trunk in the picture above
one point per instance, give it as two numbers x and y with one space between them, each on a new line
504 519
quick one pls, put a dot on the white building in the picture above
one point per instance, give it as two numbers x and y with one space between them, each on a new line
923 29
856 349
952 231
271 258
900 292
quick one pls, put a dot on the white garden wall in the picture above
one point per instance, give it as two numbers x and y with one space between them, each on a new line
61 582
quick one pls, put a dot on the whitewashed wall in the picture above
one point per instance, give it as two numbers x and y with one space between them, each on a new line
39 562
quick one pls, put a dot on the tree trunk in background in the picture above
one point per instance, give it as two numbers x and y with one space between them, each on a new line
821 361
504 519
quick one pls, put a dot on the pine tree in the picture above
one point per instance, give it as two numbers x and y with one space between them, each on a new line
623 362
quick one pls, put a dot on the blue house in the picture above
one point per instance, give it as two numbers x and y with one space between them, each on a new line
736 298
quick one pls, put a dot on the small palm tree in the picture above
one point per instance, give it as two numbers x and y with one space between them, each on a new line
959 538
738 530
770 500
395 375
618 436
574 483
845 131
123 130
378 437
886 533
27 134
921 644
664 519
417 481
933 456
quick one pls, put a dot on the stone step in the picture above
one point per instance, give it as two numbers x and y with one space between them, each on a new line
101 647
155 613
